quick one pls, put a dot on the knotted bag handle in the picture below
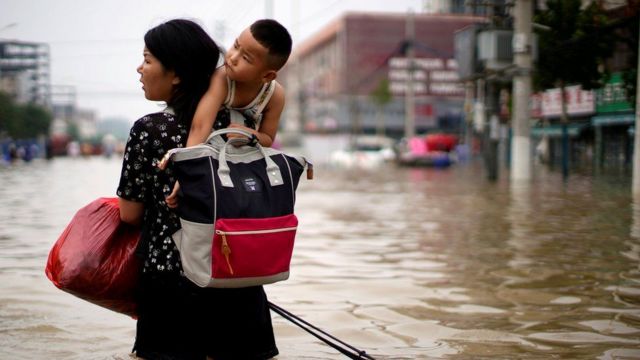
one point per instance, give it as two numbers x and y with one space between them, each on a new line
273 171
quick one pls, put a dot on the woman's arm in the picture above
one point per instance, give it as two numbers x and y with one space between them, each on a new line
131 189
130 211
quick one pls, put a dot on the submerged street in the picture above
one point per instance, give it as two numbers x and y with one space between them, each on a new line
405 263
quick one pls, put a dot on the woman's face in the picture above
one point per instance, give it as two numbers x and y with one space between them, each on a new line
157 82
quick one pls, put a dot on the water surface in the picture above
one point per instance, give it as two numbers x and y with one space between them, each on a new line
403 263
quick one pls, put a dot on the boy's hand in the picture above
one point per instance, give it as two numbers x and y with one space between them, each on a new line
255 135
162 164
240 127
172 199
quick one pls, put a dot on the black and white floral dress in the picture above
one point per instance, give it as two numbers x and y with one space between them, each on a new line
142 181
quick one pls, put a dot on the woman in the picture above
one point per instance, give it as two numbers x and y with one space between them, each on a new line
177 319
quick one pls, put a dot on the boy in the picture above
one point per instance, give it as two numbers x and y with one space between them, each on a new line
245 83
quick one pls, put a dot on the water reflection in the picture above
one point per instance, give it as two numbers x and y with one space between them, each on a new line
405 263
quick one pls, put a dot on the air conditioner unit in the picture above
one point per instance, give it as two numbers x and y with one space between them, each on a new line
495 48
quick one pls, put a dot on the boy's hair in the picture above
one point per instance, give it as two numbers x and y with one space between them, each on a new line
275 37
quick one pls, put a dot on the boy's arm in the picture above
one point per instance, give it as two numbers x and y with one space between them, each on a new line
207 109
266 134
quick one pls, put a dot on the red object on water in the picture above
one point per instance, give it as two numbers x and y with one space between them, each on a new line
441 142
94 257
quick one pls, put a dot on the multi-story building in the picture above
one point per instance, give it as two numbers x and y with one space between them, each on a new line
25 71
331 77
67 115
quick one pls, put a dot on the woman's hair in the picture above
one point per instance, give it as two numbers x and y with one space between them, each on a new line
184 47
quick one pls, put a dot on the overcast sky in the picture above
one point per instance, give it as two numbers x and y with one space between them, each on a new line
97 45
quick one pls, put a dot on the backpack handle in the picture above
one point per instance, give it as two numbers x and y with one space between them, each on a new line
224 173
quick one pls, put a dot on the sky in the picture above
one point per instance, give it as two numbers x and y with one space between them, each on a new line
96 45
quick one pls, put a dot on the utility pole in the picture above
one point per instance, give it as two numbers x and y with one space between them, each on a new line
636 140
521 142
301 99
409 96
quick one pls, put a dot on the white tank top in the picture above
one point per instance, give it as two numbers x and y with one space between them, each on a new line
256 106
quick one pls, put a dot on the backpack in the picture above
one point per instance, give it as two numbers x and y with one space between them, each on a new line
236 208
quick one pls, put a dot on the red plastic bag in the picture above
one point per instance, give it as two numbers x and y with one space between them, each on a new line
94 257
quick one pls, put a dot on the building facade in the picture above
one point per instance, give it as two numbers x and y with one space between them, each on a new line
25 71
330 78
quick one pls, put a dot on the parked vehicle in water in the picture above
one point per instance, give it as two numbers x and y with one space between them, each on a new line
435 150
364 151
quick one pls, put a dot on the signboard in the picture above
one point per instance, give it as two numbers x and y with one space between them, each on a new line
431 76
535 105
577 102
613 96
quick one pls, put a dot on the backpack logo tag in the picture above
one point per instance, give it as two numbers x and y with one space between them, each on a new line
251 185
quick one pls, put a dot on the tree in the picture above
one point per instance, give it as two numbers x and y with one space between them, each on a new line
73 131
35 121
7 113
572 51
628 35
381 96
23 121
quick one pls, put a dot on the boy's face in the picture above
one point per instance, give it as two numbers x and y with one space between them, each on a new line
246 60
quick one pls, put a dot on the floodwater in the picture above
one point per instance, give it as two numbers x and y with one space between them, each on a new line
405 263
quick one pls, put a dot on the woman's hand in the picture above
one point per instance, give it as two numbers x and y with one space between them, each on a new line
172 199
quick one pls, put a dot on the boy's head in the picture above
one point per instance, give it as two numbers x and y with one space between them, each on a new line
275 38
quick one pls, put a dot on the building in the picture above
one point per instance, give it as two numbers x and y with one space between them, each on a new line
68 119
330 78
25 71
614 121
601 121
474 7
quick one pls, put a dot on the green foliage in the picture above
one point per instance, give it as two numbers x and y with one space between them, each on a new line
575 47
23 121
7 112
381 95
73 131
628 34
35 121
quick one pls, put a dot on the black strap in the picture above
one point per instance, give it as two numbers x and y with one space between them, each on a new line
352 352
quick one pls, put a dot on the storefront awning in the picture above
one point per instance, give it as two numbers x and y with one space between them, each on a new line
556 130
613 119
